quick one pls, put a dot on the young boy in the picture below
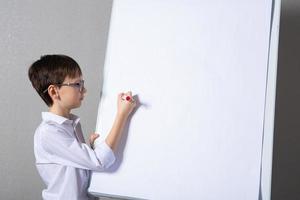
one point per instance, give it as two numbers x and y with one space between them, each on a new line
63 160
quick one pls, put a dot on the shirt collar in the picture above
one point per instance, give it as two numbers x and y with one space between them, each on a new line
48 116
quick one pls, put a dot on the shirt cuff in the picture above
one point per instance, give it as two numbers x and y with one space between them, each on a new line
104 153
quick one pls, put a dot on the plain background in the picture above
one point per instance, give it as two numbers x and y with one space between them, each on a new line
31 28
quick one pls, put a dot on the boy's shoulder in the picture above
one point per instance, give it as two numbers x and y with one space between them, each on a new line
49 127
53 124
52 132
57 126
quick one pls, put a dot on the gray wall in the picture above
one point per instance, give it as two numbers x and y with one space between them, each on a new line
286 159
30 28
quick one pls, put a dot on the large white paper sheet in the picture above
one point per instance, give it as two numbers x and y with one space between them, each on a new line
199 71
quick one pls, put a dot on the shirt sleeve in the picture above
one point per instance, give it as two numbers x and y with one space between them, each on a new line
64 149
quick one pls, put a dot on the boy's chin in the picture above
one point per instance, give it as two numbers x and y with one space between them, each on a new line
76 105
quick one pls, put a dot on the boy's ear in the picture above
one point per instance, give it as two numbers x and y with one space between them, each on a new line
52 91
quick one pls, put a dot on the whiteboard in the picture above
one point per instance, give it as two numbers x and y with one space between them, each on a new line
199 70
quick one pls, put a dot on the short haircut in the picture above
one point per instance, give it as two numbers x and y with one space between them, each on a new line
51 70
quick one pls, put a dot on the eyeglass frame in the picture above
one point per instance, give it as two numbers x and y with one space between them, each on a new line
79 85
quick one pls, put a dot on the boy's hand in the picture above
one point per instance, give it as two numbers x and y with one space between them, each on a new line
126 104
92 139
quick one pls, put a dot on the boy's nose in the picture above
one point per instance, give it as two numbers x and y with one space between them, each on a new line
84 90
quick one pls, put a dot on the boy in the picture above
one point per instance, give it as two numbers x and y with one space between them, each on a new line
63 160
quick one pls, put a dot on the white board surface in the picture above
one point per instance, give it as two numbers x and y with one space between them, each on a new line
199 70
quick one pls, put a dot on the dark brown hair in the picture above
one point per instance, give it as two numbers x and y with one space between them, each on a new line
52 69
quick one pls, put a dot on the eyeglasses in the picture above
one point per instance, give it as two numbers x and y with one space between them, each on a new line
79 85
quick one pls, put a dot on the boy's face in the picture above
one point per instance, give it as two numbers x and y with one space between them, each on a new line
71 93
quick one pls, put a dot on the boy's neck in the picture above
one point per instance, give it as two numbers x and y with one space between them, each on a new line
59 111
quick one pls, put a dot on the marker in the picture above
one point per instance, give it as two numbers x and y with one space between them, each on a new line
128 98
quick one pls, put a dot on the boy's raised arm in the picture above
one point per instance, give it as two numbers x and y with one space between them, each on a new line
125 107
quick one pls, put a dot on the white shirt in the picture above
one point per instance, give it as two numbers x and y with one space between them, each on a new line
64 160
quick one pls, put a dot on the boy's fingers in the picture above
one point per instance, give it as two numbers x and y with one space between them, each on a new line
120 95
95 135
